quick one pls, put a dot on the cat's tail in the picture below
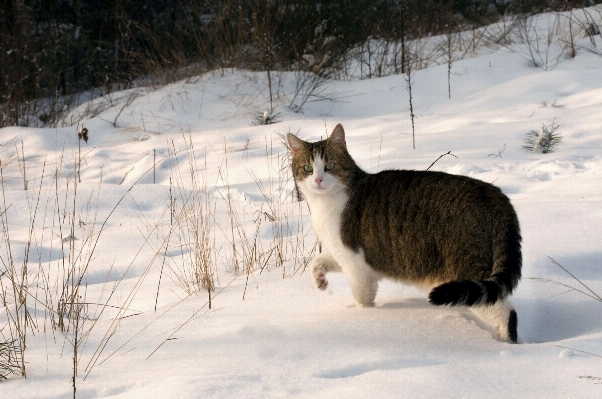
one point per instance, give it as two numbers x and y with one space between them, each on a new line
469 292
506 271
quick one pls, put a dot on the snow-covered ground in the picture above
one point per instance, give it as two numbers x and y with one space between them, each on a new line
269 332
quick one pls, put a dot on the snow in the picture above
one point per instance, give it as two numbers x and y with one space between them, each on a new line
270 333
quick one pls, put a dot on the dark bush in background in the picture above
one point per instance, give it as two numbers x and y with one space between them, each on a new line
52 48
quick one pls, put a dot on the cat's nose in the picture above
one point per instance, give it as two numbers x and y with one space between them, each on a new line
319 180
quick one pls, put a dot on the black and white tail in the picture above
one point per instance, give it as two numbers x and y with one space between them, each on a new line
469 293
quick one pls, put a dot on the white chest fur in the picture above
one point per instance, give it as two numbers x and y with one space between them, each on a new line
326 212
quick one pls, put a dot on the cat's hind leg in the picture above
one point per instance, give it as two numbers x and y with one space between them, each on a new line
322 264
501 316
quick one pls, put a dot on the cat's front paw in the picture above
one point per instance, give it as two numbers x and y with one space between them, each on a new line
318 274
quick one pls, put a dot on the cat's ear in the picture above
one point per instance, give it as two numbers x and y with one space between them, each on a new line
337 137
295 143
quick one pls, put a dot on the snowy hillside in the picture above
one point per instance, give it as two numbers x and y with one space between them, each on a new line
180 190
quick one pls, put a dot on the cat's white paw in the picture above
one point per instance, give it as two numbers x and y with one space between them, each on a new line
318 274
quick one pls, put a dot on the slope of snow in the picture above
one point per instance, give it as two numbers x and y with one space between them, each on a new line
286 339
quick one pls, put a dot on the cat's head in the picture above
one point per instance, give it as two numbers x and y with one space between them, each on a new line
323 167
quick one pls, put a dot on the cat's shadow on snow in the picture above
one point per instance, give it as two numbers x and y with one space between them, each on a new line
583 265
542 321
539 321
424 304
406 303
556 312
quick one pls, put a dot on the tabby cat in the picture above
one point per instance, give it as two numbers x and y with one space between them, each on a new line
457 236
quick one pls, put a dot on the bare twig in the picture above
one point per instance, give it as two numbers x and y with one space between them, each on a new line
441 156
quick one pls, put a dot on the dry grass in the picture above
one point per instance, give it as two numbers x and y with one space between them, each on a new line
10 359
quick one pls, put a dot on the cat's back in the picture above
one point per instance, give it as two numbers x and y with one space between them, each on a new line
419 220
393 190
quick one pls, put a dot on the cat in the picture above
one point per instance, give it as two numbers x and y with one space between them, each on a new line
455 235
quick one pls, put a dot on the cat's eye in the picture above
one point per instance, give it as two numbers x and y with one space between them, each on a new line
308 168
329 166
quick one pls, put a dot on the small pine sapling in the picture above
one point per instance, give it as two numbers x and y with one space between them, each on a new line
545 139
267 118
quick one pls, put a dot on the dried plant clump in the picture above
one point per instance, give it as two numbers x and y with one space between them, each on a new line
9 359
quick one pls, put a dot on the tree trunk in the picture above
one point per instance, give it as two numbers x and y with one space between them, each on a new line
19 18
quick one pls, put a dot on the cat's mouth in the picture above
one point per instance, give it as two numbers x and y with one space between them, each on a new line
319 189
